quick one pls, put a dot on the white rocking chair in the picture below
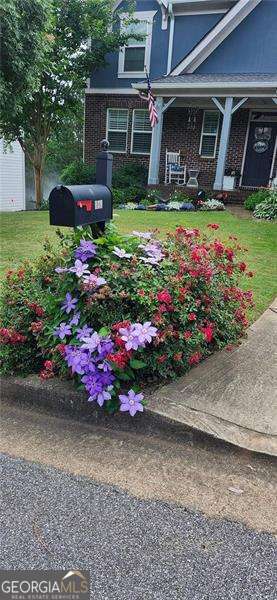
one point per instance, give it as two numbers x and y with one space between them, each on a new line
174 171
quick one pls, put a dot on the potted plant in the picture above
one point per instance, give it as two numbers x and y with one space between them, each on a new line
230 178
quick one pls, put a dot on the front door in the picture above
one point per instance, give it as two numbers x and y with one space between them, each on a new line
259 154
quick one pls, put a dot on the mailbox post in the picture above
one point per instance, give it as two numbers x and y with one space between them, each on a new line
72 206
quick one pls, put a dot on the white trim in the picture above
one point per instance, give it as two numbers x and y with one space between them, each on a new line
215 135
117 130
203 11
114 91
216 36
137 131
245 148
218 104
273 160
171 38
250 120
147 17
208 84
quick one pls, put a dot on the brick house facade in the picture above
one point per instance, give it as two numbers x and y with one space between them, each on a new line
177 135
199 58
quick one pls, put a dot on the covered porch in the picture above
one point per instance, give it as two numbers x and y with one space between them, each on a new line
220 124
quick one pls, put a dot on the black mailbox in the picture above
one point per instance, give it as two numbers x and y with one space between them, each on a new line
80 205
74 205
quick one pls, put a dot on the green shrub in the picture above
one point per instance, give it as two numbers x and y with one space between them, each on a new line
179 196
256 198
119 197
267 209
152 196
78 173
118 312
133 174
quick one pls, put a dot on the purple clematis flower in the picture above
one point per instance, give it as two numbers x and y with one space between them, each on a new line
93 281
121 253
84 331
75 319
62 331
91 342
69 304
146 235
79 268
85 251
76 358
61 270
137 335
131 402
149 261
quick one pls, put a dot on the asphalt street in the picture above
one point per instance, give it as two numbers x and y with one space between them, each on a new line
135 549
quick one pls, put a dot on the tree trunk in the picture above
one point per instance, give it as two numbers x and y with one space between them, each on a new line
38 170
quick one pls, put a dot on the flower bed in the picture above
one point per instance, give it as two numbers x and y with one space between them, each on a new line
118 313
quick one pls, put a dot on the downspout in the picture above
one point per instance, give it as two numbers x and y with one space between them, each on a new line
171 37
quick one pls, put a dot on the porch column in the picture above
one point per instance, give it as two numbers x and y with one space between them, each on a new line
155 153
223 146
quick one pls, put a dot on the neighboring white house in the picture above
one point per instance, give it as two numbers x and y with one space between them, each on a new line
12 177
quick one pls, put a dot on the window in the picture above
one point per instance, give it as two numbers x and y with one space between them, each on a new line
209 133
141 132
117 127
136 56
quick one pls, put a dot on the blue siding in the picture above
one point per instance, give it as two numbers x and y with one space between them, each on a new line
251 47
188 32
107 77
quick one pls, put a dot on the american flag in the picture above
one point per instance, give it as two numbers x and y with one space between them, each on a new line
153 115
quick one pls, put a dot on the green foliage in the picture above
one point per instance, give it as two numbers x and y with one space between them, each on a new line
179 196
152 196
197 310
256 198
133 174
78 173
268 208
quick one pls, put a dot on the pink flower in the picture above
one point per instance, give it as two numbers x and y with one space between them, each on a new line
164 296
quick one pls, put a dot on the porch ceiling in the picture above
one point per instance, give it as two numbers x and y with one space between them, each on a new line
193 85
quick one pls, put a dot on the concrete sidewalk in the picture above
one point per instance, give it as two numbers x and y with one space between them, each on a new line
232 395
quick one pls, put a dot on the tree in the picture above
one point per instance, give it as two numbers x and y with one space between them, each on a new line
68 40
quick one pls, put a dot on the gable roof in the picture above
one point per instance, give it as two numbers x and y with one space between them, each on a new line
215 36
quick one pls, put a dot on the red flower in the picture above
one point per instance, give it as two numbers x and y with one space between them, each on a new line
120 358
187 335
229 253
164 296
178 356
242 266
141 293
60 348
36 326
47 279
195 358
119 342
161 359
48 365
208 333
192 317
213 226
9 336
218 247
121 325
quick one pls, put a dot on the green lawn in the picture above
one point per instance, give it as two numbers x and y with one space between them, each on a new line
23 233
